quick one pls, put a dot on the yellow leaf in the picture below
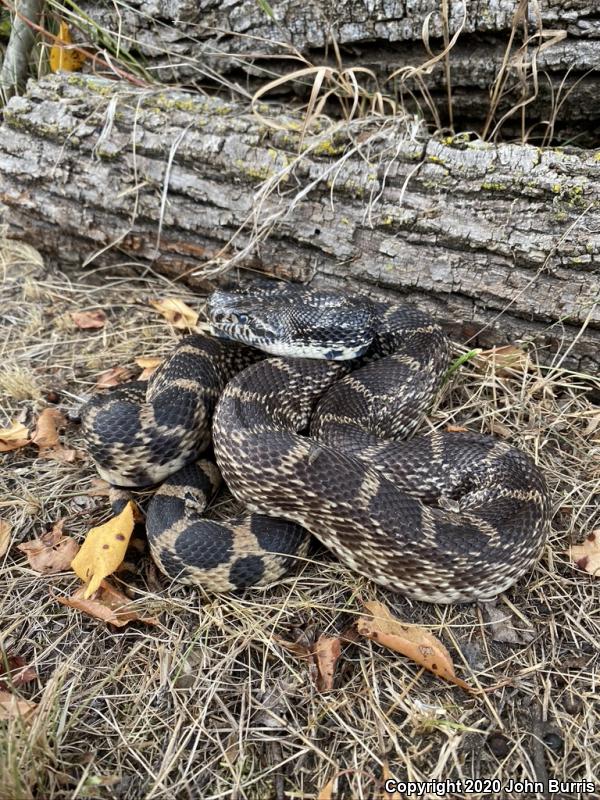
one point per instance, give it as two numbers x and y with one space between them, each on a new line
149 365
587 554
13 437
62 56
104 549
412 641
176 312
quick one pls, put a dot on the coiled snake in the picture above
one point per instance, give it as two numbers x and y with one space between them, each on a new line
313 440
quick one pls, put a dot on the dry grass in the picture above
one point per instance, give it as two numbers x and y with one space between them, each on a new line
208 704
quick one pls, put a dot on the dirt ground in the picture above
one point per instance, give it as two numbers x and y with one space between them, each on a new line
209 703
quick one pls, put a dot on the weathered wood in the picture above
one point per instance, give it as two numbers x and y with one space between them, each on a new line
499 242
196 40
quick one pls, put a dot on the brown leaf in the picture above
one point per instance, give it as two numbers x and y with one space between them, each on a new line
503 359
149 365
46 437
98 488
176 312
386 776
18 670
49 423
456 429
500 429
11 707
326 793
52 552
13 437
107 604
322 657
54 535
113 377
586 555
412 641
296 648
66 455
327 651
5 531
593 424
89 320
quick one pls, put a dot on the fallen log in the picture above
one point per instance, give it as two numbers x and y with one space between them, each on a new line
541 59
500 242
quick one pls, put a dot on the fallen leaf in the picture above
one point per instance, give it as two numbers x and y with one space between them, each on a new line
322 657
11 707
502 626
296 648
89 320
500 429
45 435
272 705
61 56
326 793
5 531
412 641
16 667
593 424
113 377
176 312
66 455
507 357
327 651
52 552
13 437
456 429
107 604
98 488
386 776
586 555
104 549
149 365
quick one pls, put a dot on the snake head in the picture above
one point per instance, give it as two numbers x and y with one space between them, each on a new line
294 321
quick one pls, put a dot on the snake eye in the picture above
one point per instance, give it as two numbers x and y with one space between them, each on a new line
238 319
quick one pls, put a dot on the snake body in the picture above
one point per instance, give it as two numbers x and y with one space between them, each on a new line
318 445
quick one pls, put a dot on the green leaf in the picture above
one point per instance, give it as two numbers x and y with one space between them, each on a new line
5 24
266 8
457 363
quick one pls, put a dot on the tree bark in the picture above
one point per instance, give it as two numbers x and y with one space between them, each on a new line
500 242
200 40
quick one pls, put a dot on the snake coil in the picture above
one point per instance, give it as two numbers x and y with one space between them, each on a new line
314 440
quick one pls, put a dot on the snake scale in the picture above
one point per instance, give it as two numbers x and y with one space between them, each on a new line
314 439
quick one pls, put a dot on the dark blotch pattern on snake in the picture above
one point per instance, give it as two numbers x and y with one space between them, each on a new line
312 440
